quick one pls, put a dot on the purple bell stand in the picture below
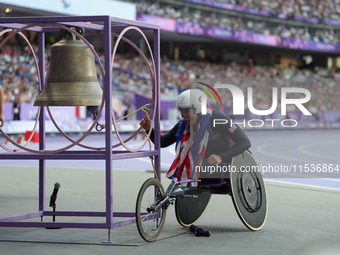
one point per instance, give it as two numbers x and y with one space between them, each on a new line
109 27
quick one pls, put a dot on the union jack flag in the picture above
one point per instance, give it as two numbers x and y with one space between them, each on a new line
232 129
190 149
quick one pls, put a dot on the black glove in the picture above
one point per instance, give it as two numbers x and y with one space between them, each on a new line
199 231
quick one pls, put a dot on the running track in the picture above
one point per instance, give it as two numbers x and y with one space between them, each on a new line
288 149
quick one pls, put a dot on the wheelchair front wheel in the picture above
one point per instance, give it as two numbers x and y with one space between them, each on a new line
150 221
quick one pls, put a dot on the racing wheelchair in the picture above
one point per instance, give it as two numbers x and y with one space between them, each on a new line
243 182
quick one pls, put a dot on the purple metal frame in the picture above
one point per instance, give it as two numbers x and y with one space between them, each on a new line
100 23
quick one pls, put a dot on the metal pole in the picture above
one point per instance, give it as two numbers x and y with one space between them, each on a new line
156 38
42 144
108 119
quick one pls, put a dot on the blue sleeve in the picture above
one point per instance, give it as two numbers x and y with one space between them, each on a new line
168 138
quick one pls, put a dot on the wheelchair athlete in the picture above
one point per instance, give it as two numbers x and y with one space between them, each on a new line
200 141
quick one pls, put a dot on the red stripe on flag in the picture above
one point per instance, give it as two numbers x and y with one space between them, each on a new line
181 167
188 168
185 137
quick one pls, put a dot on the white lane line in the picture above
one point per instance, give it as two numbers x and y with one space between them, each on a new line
330 179
260 149
303 150
304 185
149 161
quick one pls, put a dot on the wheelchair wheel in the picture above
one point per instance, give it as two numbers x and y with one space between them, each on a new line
150 222
189 210
248 191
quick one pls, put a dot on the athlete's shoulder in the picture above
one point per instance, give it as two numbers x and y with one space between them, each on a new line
219 115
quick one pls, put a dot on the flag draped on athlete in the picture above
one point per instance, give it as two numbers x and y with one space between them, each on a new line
190 148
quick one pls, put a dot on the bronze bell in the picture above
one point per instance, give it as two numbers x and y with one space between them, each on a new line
72 78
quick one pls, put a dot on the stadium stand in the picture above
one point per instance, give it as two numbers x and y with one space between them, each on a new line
234 22
243 64
312 11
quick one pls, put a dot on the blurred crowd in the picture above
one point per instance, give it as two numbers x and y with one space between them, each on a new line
18 74
205 18
130 74
321 9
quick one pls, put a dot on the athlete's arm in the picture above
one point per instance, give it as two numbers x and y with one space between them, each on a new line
236 134
166 139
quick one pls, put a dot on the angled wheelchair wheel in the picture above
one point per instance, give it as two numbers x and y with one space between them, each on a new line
150 222
189 210
248 191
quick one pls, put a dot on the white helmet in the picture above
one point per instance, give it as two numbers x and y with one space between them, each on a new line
192 98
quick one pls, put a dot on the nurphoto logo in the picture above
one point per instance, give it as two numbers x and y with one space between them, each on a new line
239 104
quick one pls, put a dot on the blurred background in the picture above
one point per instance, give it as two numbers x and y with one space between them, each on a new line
259 44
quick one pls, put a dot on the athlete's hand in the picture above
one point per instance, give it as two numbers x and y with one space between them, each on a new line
145 123
2 121
214 159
